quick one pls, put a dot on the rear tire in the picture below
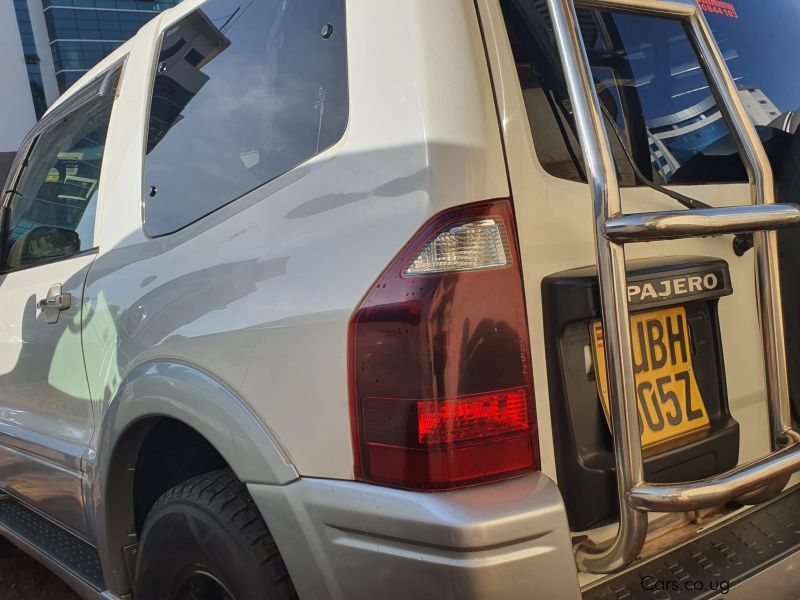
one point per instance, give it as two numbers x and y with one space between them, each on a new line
204 539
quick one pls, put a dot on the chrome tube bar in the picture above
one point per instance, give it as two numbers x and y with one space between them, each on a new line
762 191
612 230
716 490
607 203
677 224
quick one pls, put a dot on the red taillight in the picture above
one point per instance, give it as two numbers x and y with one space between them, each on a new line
472 417
440 372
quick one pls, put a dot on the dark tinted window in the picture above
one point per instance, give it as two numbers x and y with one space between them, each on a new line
53 208
760 55
660 112
244 91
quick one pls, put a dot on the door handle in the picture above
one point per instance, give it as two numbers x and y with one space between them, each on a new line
54 303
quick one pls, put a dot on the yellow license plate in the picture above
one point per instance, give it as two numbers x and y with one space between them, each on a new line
669 401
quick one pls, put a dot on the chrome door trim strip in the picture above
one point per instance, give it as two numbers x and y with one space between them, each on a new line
60 454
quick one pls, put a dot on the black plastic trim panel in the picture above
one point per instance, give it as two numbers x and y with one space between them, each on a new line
585 457
727 555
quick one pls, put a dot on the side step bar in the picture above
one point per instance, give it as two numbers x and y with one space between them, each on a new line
74 560
738 551
765 477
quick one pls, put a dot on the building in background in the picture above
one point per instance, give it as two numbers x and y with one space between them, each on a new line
81 32
18 112
761 109
46 45
675 138
34 64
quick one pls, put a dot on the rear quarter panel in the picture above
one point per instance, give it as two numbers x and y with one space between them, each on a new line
259 294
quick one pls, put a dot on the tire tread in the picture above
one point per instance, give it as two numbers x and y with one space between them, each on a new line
223 494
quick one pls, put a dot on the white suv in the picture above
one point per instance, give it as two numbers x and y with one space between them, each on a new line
313 299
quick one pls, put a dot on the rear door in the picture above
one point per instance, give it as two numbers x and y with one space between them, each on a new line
46 415
697 345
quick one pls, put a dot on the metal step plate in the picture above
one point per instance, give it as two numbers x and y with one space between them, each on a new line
59 545
716 561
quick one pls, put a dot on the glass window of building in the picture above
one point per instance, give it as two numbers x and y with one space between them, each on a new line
31 57
82 32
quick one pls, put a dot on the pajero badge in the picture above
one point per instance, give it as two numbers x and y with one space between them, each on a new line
680 286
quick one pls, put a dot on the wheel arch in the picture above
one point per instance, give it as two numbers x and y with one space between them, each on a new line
153 393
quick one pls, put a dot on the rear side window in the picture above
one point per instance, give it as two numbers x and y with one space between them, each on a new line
659 111
244 91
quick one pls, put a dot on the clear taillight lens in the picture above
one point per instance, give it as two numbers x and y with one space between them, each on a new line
467 246
440 373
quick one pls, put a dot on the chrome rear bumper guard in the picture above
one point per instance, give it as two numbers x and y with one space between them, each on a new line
753 482
716 490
